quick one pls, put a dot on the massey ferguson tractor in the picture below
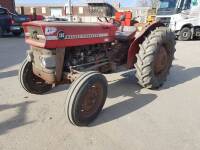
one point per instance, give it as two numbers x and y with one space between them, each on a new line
79 53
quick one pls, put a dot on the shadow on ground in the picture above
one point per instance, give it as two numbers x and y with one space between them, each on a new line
179 75
8 74
13 51
59 88
18 120
131 100
128 87
10 35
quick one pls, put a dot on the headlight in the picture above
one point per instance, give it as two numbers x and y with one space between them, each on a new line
48 61
43 63
50 30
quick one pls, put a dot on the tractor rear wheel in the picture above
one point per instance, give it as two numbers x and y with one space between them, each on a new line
86 98
30 82
155 58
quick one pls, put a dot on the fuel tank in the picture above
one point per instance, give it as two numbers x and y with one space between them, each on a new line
64 34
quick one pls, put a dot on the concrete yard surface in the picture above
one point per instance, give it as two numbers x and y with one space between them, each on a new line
132 119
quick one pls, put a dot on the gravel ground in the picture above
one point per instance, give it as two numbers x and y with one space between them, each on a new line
133 118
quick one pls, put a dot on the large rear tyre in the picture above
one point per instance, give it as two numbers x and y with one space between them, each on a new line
30 82
155 58
86 98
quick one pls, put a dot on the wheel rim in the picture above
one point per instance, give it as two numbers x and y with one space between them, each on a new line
185 34
92 100
161 61
34 81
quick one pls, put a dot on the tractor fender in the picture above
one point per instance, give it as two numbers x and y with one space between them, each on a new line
134 46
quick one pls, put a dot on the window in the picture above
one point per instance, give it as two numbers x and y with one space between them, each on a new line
194 2
187 4
56 12
80 10
167 4
44 10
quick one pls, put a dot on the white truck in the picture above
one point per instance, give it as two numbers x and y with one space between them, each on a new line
182 16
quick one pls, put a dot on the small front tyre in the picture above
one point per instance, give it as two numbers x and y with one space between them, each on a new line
86 98
30 82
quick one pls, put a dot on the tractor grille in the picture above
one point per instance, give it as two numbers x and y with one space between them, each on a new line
35 34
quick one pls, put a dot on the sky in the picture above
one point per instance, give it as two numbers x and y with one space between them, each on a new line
124 3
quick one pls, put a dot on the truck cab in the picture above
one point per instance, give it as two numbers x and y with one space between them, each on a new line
182 16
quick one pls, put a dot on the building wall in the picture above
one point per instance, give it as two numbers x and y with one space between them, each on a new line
76 10
39 10
46 11
9 4
80 11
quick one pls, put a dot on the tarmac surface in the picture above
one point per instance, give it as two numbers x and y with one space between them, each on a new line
132 119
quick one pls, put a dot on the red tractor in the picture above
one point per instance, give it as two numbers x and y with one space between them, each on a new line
78 53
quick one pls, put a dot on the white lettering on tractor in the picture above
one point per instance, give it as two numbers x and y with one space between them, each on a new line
84 36
70 37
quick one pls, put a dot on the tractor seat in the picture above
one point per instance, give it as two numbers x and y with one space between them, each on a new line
124 33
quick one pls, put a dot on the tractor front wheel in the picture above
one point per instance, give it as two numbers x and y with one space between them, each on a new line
155 58
86 98
30 82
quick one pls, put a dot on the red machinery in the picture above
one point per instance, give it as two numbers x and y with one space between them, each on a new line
75 34
63 52
127 17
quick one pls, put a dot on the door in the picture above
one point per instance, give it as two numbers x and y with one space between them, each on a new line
56 12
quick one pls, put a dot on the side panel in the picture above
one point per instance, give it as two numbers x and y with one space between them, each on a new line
72 34
134 47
